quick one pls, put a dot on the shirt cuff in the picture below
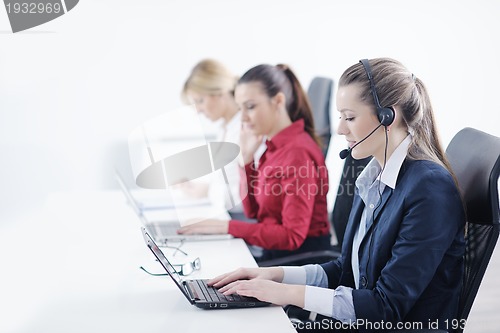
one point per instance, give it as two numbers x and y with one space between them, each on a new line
319 300
294 275
316 276
331 303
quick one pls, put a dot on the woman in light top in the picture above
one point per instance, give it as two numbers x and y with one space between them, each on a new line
287 189
402 254
210 87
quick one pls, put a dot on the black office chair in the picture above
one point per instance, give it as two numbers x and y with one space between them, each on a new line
319 94
345 195
320 97
475 159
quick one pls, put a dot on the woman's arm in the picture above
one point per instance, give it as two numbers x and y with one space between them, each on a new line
267 291
262 283
296 195
265 273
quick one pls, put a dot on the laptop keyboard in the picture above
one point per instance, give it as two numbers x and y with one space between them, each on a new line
202 291
159 231
167 229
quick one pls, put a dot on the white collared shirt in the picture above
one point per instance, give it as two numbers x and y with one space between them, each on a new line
367 190
217 190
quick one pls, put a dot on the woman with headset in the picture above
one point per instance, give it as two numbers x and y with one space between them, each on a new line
402 255
287 186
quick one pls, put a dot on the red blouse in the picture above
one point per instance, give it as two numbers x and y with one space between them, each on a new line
286 193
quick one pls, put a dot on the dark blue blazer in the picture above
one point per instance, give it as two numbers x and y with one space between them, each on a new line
411 258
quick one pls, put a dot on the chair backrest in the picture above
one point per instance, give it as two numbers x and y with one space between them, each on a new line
345 195
320 96
475 159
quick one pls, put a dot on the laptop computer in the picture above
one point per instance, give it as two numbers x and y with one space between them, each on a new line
196 291
165 230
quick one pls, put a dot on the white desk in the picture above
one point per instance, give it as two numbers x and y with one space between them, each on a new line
83 276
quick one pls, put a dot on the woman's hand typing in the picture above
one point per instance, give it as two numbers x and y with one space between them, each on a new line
261 283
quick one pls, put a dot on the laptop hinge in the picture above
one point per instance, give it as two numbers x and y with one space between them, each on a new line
191 296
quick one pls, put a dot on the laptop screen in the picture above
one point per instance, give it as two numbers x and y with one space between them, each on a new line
160 256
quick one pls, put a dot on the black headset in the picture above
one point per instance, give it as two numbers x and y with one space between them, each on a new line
385 114
386 117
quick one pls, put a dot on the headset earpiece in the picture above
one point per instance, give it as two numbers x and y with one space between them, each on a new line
385 114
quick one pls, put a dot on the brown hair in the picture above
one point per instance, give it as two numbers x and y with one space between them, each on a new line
280 78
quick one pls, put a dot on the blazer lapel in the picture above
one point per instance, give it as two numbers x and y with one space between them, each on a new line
385 196
352 226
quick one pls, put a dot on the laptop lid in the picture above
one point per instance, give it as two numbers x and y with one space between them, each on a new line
166 264
171 220
206 299
151 200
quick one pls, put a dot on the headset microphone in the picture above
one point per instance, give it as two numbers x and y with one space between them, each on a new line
344 153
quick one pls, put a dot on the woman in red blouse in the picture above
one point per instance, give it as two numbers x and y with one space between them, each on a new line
287 187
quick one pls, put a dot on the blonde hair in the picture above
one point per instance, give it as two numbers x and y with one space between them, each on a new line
396 86
209 77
